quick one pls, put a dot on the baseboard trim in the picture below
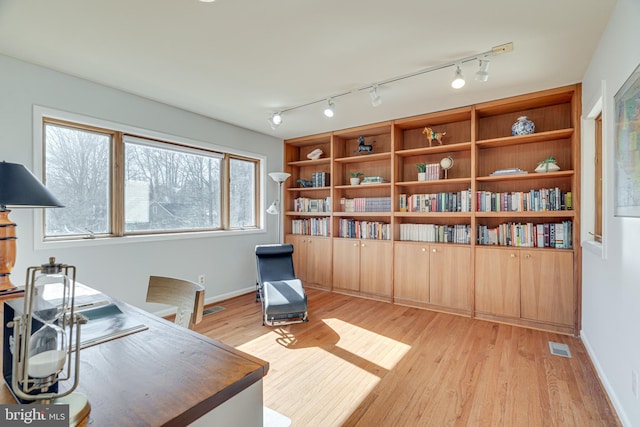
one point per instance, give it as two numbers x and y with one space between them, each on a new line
605 381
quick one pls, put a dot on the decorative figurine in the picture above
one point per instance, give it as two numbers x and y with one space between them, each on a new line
305 183
548 165
431 135
315 154
364 148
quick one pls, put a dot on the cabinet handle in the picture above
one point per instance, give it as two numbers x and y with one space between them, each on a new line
363 245
434 250
527 256
513 255
355 244
424 249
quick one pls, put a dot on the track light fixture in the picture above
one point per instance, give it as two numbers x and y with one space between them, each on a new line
458 79
375 98
329 111
482 75
275 120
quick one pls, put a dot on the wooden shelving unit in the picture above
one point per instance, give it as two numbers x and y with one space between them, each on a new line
528 286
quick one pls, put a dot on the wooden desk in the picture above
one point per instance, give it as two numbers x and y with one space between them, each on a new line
163 376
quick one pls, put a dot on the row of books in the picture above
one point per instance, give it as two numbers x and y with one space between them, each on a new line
319 179
433 171
366 204
312 226
357 229
304 204
436 202
549 235
544 199
436 233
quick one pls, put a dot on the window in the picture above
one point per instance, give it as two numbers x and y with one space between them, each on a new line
597 227
77 171
170 188
162 187
242 197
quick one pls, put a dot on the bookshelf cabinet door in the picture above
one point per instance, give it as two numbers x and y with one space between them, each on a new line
497 277
376 267
411 272
346 264
547 286
319 261
449 276
299 255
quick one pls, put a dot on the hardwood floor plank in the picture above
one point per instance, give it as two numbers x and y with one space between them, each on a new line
361 362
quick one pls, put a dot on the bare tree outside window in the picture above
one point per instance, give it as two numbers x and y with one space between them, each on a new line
170 189
242 203
77 172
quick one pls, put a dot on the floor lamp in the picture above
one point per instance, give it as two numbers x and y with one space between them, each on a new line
19 188
276 206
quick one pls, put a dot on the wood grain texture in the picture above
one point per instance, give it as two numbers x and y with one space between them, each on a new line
164 376
359 362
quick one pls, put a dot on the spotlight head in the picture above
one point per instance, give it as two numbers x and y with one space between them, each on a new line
375 98
458 79
329 110
482 75
275 120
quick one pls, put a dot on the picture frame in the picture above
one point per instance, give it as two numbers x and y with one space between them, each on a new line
627 147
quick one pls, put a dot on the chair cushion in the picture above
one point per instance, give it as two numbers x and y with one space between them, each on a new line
284 296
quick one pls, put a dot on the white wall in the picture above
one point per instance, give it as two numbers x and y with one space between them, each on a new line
122 270
611 274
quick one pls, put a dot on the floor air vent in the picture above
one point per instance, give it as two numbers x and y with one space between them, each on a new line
558 349
212 310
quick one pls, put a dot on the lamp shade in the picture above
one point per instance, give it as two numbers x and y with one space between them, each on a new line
279 176
20 188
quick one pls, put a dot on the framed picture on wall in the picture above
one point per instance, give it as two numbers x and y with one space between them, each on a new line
627 147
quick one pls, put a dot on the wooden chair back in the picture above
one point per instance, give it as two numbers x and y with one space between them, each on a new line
186 296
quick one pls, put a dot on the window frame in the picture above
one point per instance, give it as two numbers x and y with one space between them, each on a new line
44 115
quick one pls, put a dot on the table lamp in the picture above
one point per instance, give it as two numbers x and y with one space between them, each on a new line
276 206
46 338
19 188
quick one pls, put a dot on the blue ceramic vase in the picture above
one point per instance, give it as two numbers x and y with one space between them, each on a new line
523 126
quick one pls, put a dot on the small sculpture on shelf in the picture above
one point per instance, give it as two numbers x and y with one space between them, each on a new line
431 135
305 183
364 148
315 154
548 165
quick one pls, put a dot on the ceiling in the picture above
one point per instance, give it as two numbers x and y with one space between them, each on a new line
238 61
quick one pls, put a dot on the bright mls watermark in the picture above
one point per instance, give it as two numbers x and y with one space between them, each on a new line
34 415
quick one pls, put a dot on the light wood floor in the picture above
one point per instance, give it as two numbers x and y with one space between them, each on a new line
367 363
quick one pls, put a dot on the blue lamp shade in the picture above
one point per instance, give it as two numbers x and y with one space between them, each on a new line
19 188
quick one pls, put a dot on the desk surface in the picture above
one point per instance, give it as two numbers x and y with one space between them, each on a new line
163 376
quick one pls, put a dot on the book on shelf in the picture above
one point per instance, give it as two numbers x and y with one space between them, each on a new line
543 199
509 171
356 229
319 179
436 233
366 204
372 180
549 235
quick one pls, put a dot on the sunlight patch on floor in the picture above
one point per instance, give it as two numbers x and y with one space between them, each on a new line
376 348
350 366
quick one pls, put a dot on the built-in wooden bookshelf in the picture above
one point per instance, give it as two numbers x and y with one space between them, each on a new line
419 255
